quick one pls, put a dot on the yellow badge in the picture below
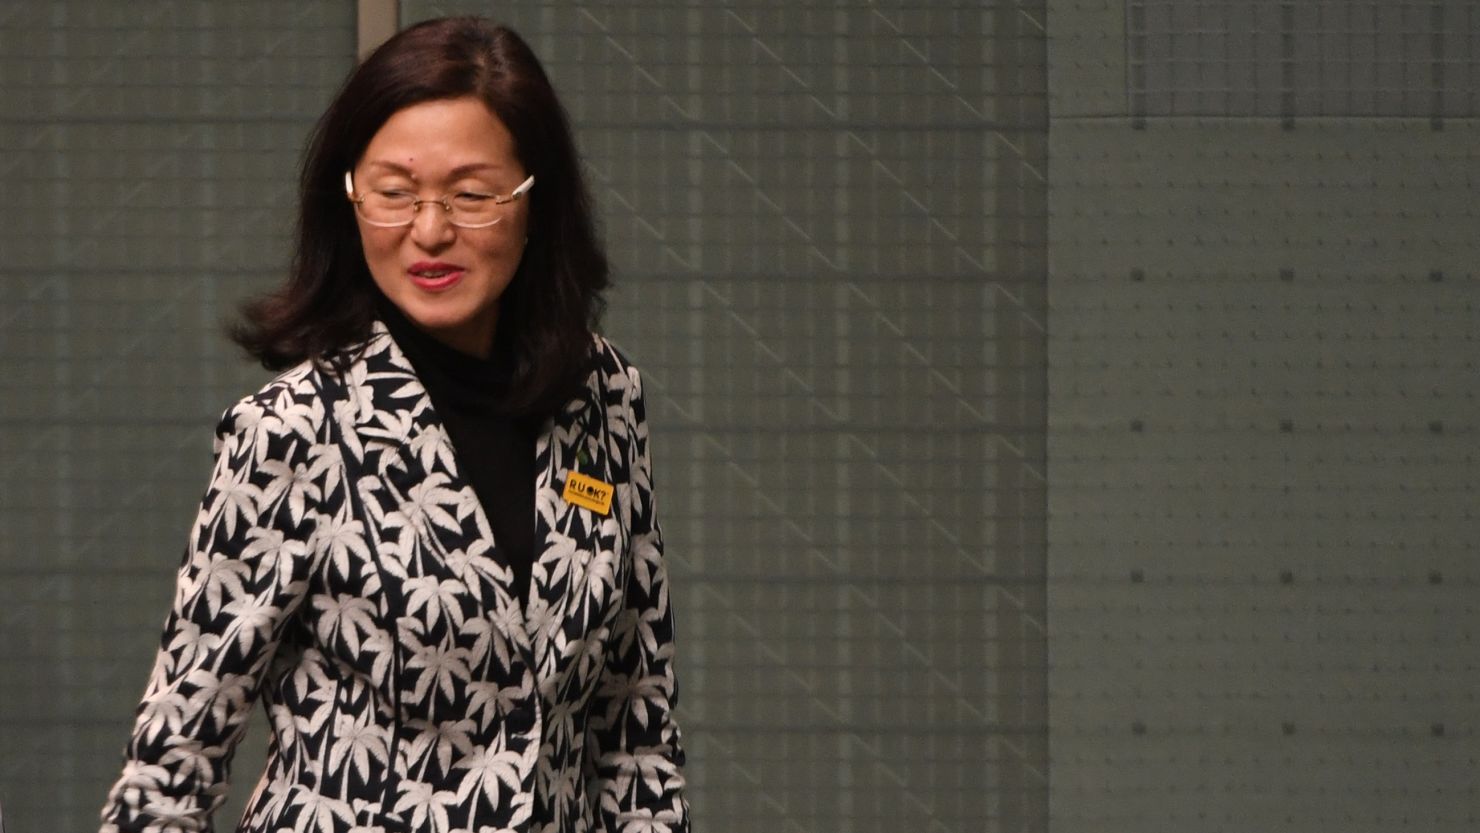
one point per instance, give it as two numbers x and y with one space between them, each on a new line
588 492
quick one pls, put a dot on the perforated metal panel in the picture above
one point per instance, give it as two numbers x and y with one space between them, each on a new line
827 224
1297 59
1263 388
815 215
148 152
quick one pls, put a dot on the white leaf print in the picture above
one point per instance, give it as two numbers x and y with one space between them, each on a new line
188 644
312 723
284 513
280 485
645 631
487 633
343 539
663 823
426 505
252 620
344 617
239 502
548 503
439 599
438 742
325 468
223 579
345 412
562 791
433 449
221 698
161 715
300 418
276 555
173 812
379 647
487 768
190 762
646 561
311 677
426 804
440 666
555 562
600 578
560 720
322 810
450 595
356 743
493 701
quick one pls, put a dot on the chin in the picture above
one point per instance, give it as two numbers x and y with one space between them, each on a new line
439 320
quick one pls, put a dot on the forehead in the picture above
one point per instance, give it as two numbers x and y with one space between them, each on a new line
436 138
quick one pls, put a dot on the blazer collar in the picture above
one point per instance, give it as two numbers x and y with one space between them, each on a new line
394 421
389 403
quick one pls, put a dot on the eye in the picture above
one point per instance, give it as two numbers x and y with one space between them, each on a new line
394 195
470 198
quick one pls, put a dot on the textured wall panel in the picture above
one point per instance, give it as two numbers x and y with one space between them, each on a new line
1262 492
1263 388
827 224
1310 58
148 151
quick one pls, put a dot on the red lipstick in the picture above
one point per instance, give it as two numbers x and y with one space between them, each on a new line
434 275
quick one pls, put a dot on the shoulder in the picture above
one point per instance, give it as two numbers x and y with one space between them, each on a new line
288 407
614 371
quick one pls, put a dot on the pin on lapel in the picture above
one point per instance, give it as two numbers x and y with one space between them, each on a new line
588 492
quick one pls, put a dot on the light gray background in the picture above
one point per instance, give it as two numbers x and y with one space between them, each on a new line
1085 378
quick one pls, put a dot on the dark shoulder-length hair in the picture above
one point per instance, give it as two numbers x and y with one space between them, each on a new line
555 299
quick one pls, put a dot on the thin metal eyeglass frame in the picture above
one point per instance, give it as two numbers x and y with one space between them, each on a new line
445 201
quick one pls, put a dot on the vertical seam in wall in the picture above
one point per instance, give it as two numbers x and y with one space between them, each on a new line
376 21
1287 65
1436 45
1135 65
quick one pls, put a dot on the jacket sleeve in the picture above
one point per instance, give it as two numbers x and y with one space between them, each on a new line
635 741
244 574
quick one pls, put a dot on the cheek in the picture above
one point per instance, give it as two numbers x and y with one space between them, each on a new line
501 253
382 259
379 249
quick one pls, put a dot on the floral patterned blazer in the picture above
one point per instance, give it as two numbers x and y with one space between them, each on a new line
342 570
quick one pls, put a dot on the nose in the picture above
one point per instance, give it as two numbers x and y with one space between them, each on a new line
432 227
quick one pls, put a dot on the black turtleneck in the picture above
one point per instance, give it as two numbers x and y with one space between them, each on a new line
495 452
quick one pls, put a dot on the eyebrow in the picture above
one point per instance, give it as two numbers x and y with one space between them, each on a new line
460 170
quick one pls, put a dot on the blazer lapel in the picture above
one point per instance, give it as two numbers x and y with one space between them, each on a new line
421 506
404 448
570 539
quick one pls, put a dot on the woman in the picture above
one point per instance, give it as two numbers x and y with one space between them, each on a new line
428 546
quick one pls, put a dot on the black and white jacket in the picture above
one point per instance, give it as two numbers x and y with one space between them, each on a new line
341 569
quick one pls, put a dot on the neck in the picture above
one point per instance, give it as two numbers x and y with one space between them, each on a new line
475 340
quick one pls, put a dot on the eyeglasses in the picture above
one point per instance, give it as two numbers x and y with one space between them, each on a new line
392 207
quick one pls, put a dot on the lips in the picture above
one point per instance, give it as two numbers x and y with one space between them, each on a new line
435 276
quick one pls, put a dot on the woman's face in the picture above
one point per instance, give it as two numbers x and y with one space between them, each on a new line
446 279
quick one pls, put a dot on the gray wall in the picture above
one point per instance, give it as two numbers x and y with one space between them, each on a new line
148 154
1101 366
809 250
1262 406
828 237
